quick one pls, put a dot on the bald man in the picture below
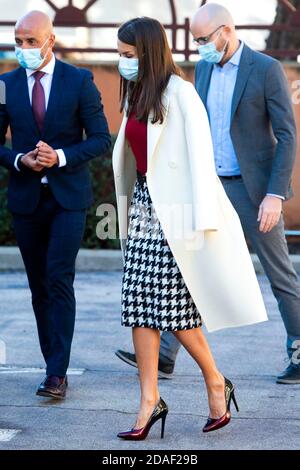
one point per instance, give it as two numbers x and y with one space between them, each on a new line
254 136
49 105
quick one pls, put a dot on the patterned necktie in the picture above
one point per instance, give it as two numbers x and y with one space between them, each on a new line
38 100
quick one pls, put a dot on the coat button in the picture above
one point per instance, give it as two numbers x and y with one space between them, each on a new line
172 164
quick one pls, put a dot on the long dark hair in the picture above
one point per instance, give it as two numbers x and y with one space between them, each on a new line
156 65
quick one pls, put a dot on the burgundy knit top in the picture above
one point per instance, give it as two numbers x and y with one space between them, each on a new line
136 135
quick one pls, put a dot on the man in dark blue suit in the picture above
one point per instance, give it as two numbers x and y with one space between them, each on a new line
49 105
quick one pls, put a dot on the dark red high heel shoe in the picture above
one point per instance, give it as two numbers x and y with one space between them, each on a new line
214 424
159 412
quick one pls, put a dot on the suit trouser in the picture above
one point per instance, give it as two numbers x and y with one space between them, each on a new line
272 250
49 240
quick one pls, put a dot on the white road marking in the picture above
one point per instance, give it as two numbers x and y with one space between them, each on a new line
34 370
8 434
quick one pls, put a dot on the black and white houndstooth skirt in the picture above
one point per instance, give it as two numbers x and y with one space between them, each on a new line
154 294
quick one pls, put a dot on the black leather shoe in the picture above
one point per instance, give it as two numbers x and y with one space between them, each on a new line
165 371
291 375
53 387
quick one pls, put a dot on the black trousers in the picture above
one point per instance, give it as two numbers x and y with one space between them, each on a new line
49 241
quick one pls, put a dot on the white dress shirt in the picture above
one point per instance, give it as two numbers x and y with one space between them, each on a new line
46 82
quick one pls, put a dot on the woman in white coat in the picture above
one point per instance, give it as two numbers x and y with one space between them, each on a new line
185 256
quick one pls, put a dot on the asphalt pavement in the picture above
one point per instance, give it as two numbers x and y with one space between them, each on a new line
103 395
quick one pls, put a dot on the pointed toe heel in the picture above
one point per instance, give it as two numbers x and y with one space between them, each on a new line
159 412
214 424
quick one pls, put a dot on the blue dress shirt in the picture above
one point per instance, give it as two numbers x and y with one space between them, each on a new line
219 104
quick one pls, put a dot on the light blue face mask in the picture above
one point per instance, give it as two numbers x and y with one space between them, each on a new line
210 53
30 58
129 68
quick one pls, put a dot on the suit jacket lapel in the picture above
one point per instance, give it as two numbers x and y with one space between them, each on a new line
55 96
204 81
244 71
22 95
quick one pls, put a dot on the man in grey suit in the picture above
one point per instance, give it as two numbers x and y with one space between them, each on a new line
254 136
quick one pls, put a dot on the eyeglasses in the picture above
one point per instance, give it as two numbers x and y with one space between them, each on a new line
204 40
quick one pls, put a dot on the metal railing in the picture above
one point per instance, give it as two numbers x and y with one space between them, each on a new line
71 16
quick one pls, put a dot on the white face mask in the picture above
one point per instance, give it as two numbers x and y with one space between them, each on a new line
129 68
31 58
